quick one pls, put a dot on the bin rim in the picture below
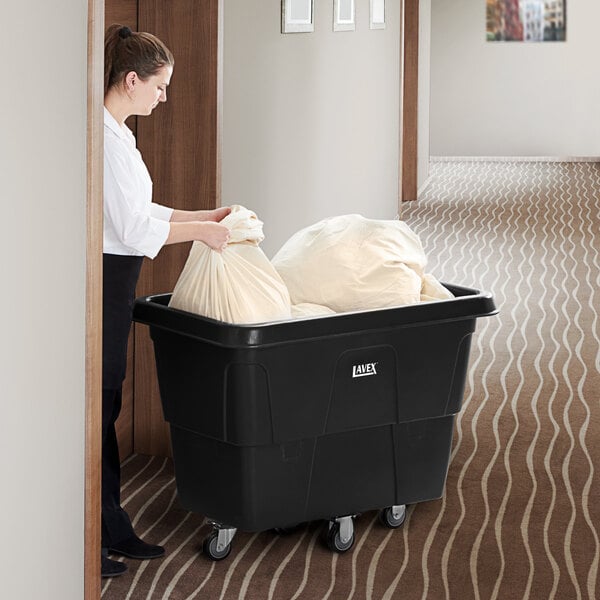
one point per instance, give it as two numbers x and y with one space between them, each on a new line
468 303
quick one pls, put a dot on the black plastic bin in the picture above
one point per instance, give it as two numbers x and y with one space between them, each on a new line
280 423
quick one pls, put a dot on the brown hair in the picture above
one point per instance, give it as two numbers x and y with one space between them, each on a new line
126 51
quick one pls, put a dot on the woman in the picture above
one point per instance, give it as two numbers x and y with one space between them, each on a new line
137 72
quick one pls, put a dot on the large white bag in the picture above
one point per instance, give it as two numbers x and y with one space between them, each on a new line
238 285
352 263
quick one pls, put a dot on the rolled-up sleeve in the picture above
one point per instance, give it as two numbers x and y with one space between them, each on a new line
131 218
158 211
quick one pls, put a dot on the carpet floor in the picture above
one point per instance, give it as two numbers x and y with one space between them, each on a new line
520 517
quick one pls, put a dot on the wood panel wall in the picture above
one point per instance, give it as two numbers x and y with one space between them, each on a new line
180 143
121 11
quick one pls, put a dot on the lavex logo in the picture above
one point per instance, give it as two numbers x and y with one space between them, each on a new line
364 370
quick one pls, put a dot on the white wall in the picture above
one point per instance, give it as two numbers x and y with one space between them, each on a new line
310 120
42 304
513 98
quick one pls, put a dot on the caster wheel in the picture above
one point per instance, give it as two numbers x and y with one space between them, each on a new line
335 542
211 550
393 516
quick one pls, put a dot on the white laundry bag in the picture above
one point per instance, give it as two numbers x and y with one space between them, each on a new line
306 310
238 285
349 263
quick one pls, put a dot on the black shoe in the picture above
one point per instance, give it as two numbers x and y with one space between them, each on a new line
112 568
133 547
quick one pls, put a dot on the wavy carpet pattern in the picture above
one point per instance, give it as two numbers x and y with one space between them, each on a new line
520 517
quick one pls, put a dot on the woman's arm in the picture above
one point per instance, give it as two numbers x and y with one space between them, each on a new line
185 216
214 235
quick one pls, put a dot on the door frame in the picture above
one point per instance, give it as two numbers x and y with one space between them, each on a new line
93 329
409 100
409 32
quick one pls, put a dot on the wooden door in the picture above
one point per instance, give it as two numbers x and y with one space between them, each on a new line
180 144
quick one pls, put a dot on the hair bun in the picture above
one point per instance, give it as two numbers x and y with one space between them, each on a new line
124 32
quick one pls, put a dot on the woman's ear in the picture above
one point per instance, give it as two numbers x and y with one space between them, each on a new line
130 81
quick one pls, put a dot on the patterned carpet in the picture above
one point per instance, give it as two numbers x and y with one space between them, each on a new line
520 517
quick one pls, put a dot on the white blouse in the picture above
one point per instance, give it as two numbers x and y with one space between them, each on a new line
133 224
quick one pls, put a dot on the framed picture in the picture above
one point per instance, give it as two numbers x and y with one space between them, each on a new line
297 16
343 15
526 21
377 14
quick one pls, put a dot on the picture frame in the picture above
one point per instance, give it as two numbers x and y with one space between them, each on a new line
297 16
377 14
526 21
344 15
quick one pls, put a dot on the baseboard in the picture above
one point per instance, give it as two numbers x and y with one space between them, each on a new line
573 159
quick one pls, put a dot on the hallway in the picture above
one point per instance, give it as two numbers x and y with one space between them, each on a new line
520 514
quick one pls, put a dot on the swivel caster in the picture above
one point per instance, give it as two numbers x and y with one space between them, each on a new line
393 516
340 534
217 545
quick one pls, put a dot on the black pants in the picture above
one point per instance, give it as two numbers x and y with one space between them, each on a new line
120 278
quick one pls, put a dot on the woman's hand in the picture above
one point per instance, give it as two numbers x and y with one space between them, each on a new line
214 235
186 216
218 214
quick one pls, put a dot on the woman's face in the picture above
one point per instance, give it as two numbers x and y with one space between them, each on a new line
152 91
